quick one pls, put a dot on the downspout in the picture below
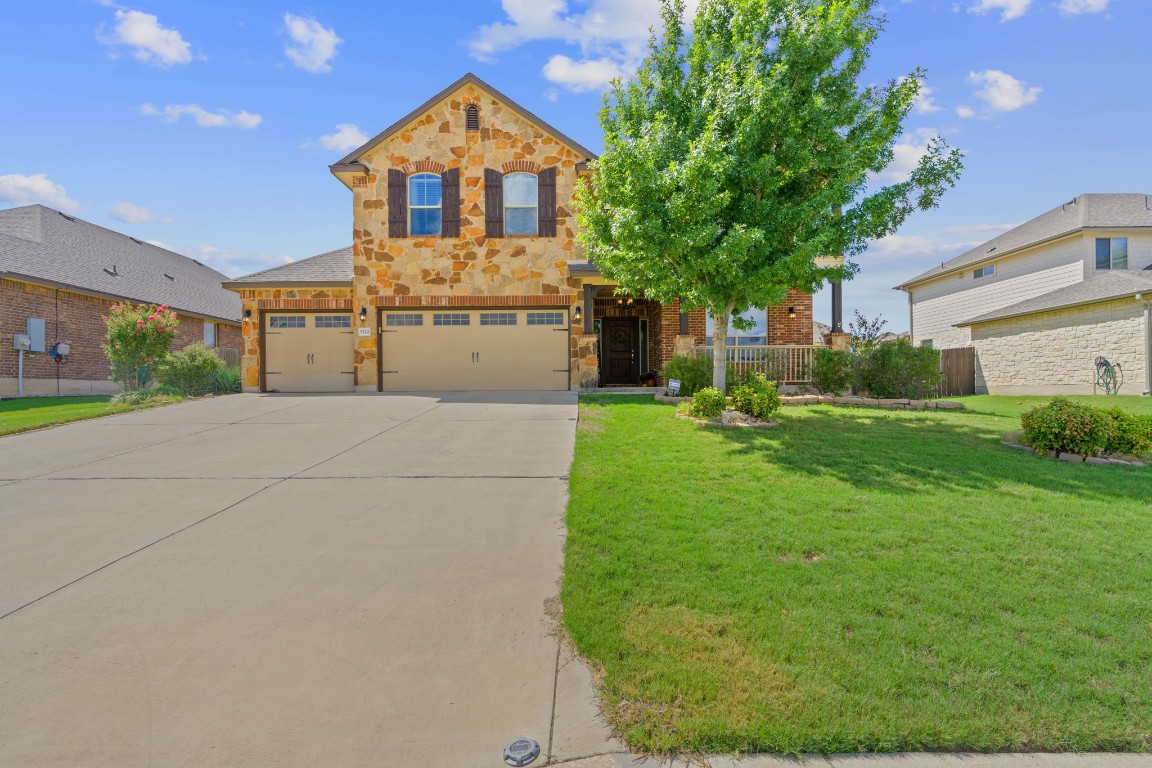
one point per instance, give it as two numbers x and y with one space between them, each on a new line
911 330
1147 344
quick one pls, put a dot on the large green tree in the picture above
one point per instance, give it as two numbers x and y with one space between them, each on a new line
746 149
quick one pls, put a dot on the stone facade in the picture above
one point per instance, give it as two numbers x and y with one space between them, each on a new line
1053 353
78 319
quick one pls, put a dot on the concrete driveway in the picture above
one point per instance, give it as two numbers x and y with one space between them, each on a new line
290 580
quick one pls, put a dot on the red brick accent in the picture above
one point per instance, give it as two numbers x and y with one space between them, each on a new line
304 303
423 166
534 300
521 166
77 319
359 182
785 331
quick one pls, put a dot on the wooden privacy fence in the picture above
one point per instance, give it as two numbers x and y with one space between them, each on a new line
790 365
231 357
958 367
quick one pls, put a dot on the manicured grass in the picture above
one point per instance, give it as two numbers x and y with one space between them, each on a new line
27 413
1005 405
856 579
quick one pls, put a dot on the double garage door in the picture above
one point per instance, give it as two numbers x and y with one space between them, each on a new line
425 350
308 352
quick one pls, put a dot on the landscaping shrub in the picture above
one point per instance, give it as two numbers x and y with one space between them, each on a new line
896 369
832 371
693 371
190 370
1068 427
1128 432
138 336
161 393
708 403
225 381
757 398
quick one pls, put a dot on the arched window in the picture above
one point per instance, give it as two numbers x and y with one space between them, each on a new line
472 118
520 201
424 198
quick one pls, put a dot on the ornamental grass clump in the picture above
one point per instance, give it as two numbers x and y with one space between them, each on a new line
1066 427
138 337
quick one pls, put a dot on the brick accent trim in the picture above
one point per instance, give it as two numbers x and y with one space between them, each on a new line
423 166
531 300
276 304
521 166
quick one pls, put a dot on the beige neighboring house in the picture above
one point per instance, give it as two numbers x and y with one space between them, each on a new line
1041 302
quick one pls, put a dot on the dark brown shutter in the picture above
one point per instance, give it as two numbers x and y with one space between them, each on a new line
450 203
397 203
546 202
493 203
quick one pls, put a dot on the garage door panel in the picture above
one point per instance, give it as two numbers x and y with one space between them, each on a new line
308 352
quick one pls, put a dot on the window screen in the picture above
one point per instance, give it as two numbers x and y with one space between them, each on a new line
520 197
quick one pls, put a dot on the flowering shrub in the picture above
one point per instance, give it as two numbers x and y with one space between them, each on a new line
138 336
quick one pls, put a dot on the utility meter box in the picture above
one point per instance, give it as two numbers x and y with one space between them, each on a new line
35 330
21 341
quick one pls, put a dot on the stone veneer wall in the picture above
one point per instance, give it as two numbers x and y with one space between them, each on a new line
464 270
257 299
1053 353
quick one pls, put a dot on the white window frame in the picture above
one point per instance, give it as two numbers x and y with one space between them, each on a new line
209 334
412 208
1112 253
535 207
988 270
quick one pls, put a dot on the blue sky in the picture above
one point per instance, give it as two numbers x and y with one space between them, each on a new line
208 126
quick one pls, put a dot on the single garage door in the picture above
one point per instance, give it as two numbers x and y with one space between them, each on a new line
428 351
308 352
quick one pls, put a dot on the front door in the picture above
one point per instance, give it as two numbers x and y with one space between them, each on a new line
621 361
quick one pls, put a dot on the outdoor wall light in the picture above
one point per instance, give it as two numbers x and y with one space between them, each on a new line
577 315
247 315
791 313
363 315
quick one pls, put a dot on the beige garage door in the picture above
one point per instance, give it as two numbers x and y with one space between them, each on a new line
308 352
423 351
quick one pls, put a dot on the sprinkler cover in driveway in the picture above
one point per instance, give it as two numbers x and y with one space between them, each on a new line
521 752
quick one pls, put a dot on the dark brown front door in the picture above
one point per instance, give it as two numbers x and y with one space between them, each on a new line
620 358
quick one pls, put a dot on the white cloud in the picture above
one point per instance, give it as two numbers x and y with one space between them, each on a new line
1002 92
612 36
965 112
346 136
136 214
1074 7
231 263
313 46
18 189
1009 9
906 155
924 103
221 119
152 43
586 75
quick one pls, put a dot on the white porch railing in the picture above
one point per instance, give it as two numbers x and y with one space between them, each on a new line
787 364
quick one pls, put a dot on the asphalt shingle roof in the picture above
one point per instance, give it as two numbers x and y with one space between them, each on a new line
1093 210
43 244
331 267
1115 284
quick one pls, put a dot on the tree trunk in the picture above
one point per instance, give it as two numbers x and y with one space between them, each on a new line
720 349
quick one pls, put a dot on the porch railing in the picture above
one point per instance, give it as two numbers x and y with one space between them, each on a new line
787 364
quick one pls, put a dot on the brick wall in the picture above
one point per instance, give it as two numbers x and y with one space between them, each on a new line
785 331
77 319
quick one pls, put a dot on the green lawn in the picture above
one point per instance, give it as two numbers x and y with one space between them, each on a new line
34 412
1003 405
857 579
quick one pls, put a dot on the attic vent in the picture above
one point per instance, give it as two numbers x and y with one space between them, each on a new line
112 271
133 239
359 182
70 218
991 249
169 276
472 118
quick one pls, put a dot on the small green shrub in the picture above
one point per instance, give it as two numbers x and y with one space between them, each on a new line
1068 427
190 370
757 398
158 394
832 371
708 403
897 369
225 381
1128 432
693 371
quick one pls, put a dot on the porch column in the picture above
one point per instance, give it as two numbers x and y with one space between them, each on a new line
589 305
837 307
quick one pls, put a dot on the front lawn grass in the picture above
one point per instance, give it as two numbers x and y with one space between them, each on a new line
856 579
1013 406
27 413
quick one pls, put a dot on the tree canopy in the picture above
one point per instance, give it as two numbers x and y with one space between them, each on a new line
746 149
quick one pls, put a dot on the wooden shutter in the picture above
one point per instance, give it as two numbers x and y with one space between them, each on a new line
546 202
450 203
493 203
397 203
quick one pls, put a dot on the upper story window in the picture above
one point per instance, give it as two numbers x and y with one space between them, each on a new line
425 194
520 204
1111 253
985 271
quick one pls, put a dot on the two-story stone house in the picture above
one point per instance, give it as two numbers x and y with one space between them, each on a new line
464 271
1042 301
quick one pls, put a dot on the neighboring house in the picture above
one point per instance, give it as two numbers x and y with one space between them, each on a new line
1042 301
464 272
67 272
